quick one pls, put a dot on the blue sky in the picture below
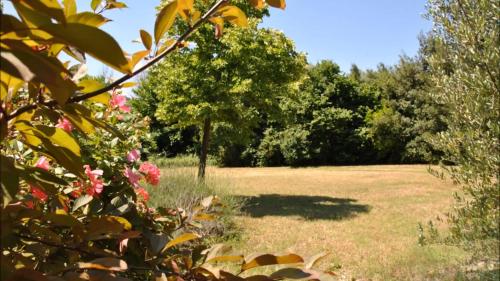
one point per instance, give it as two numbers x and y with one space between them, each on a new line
365 32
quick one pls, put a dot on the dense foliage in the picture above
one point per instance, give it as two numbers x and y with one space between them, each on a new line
221 85
466 71
74 206
377 116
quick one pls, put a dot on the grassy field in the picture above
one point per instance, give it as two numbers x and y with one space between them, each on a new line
366 216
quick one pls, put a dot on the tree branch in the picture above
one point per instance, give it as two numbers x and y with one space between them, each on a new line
62 246
126 77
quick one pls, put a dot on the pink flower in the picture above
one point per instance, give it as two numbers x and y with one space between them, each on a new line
133 155
96 184
143 193
42 163
133 178
151 171
64 124
120 101
38 193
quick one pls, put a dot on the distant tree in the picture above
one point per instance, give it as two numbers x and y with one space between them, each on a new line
355 73
324 122
223 83
402 127
466 70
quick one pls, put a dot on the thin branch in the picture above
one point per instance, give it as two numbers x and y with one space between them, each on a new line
62 246
126 77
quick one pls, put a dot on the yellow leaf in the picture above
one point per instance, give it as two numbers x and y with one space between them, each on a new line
21 62
180 239
218 21
234 15
185 8
69 7
128 84
99 228
268 259
94 4
137 57
165 20
146 39
259 4
90 85
108 264
226 259
277 3
81 123
88 18
51 8
102 98
204 217
60 138
91 40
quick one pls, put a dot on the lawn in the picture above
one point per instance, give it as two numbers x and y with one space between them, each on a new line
366 216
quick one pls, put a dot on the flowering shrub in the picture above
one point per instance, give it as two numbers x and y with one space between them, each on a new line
73 205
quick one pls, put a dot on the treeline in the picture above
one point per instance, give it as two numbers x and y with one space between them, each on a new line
332 118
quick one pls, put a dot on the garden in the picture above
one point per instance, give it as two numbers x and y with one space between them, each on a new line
218 152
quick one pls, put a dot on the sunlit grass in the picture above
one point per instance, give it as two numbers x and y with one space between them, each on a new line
366 216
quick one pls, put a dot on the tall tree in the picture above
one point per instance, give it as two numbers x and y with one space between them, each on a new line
401 129
466 68
225 81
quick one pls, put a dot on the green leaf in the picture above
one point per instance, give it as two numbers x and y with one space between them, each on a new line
91 40
88 18
180 239
268 259
10 183
165 20
146 39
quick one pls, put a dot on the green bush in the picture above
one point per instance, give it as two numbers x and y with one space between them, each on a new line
180 187
187 160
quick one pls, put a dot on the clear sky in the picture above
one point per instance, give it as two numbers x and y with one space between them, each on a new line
365 32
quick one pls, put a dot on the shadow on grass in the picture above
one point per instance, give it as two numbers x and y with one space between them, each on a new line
307 207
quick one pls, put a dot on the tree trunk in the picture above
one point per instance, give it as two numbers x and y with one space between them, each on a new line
204 149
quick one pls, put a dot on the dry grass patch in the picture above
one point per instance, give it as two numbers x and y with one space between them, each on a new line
366 216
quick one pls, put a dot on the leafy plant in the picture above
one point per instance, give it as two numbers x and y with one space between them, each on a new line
466 70
73 203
